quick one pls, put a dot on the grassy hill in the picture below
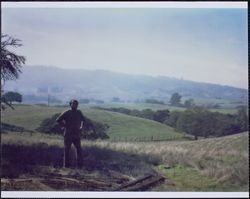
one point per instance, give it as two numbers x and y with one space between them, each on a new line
121 127
140 106
214 164
28 116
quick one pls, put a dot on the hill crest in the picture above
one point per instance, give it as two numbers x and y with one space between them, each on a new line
105 85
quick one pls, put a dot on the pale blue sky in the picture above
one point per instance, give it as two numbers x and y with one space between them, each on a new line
199 44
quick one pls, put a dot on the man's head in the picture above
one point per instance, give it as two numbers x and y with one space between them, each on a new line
73 104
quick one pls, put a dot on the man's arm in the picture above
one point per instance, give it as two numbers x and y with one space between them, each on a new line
61 119
86 121
81 126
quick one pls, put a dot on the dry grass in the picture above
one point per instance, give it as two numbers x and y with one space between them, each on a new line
224 159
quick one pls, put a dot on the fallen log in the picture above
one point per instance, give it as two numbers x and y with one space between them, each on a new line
86 182
144 185
42 186
95 182
134 182
65 180
118 175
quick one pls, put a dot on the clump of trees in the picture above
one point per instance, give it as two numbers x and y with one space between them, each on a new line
175 99
50 126
197 121
154 101
161 115
200 122
12 97
189 103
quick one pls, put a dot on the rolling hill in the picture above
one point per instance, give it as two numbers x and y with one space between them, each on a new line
105 85
121 126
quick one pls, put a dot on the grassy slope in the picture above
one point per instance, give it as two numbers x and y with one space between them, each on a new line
141 106
155 107
28 117
121 126
223 163
128 127
214 164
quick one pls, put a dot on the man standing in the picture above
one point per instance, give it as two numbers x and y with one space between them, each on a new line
72 121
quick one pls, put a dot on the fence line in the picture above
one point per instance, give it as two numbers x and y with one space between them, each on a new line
144 139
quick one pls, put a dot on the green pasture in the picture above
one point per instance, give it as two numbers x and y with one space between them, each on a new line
121 126
140 106
155 107
125 127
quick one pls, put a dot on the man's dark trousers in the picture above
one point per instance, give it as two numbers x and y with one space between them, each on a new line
76 140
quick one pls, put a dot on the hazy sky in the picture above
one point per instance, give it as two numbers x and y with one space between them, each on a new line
200 44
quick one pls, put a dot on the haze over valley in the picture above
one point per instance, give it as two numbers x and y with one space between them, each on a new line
65 84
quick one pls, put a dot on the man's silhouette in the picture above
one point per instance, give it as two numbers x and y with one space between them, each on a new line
72 121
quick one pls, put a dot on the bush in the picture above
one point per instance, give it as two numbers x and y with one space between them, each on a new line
92 129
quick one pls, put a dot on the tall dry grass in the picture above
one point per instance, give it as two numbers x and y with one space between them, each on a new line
224 159
21 150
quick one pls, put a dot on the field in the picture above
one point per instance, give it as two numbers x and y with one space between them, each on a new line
141 106
206 165
213 164
121 127
226 108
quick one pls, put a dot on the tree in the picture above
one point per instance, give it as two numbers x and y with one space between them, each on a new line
10 63
172 119
12 97
189 123
175 99
147 113
189 103
242 118
161 115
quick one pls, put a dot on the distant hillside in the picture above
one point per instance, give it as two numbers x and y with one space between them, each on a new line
105 85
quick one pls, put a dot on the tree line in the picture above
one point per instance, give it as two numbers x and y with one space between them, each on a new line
197 121
201 122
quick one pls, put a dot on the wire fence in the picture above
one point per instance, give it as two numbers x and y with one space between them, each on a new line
148 139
